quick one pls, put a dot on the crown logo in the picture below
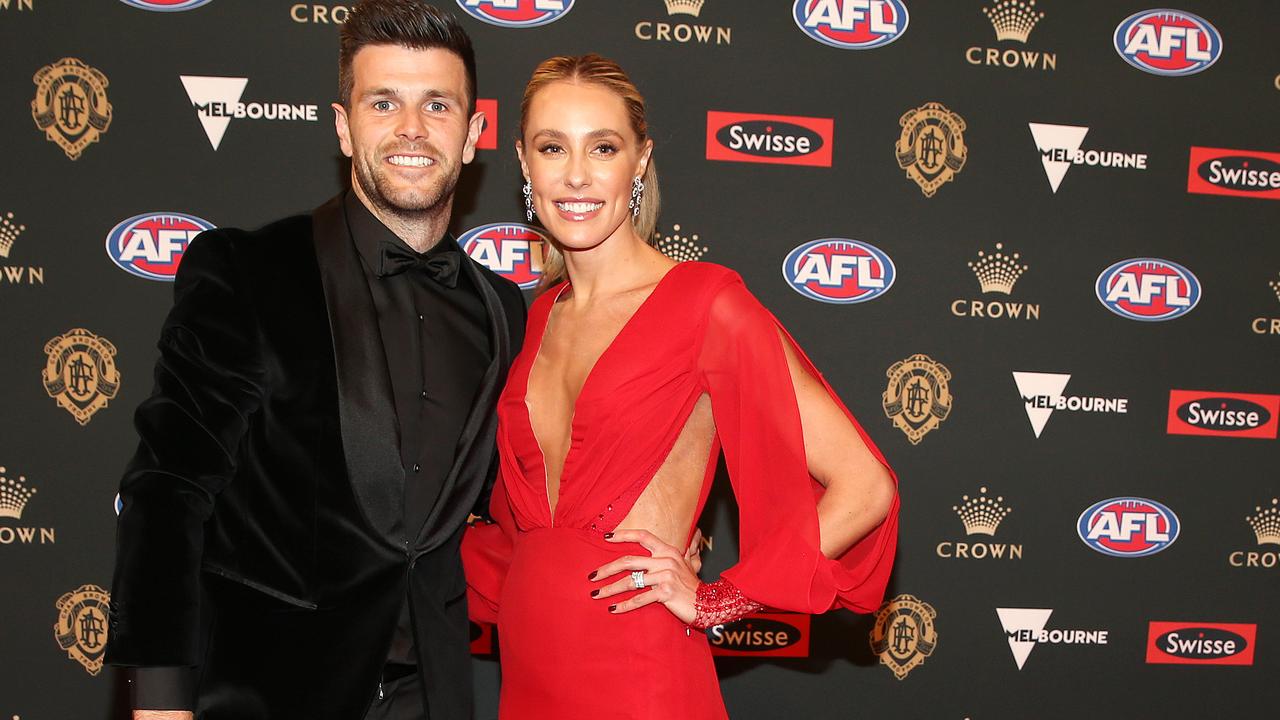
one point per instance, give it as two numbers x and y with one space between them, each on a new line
1013 19
981 515
684 7
1275 285
677 247
1266 524
9 232
14 495
997 272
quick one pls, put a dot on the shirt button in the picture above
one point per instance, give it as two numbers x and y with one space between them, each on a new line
420 317
416 467
423 395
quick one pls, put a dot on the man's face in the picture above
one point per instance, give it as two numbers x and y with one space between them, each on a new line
407 131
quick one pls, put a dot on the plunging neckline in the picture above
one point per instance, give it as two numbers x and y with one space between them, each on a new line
586 382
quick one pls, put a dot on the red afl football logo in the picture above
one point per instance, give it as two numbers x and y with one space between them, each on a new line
511 250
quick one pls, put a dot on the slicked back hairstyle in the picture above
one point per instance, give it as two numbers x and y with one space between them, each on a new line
596 70
407 23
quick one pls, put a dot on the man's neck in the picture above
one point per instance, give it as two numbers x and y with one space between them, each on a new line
420 230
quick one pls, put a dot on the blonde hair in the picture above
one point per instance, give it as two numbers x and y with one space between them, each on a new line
592 68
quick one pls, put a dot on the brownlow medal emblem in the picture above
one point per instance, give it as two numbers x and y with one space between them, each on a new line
904 634
71 105
918 397
80 373
81 629
931 147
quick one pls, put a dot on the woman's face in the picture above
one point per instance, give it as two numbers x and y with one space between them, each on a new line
581 156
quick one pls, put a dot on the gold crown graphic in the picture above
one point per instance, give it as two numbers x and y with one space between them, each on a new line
998 272
1013 19
14 495
9 232
981 515
1266 524
678 248
684 7
1275 285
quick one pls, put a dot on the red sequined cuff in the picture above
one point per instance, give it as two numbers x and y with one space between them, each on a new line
721 602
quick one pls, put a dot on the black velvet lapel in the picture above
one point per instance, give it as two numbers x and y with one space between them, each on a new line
366 409
476 444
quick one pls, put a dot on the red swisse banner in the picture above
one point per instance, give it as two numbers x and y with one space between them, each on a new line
762 634
1226 414
1193 643
775 139
489 136
1243 173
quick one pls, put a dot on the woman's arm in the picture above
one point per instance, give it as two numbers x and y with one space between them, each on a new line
859 490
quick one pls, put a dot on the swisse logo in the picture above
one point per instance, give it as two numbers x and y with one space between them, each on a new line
1194 412
1168 42
1242 173
838 270
852 24
166 5
1128 527
1184 643
775 634
512 250
517 13
776 139
1148 289
151 245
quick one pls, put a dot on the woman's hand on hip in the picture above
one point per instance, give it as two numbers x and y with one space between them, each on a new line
668 578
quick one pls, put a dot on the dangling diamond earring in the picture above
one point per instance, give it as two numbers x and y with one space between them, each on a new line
637 195
528 200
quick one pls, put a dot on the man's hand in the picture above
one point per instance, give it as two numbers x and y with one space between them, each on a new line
163 715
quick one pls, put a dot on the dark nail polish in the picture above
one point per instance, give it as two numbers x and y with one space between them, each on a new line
592 576
612 608
608 535
594 593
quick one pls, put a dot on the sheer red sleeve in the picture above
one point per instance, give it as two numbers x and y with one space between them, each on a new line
758 421
486 554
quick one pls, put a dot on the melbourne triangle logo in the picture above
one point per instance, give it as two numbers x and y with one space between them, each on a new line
1023 626
210 94
1057 144
1040 392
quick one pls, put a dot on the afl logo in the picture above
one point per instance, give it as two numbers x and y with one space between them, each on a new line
166 5
852 24
836 270
517 13
151 245
1128 527
511 250
1168 42
1148 289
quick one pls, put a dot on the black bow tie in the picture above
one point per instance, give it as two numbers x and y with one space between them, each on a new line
441 267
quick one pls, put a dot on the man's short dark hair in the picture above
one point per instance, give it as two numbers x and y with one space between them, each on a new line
408 23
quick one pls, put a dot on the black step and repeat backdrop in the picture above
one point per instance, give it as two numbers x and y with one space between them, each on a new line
1033 244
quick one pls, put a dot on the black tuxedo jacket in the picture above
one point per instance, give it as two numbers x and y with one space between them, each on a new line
255 540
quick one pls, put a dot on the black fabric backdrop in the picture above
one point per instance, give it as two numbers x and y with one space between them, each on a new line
156 158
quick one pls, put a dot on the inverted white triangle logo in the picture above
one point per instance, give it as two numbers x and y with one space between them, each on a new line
1032 385
1057 137
1016 619
204 90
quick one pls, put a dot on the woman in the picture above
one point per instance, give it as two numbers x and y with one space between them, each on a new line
635 372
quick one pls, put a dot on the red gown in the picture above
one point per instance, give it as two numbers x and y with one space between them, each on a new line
563 655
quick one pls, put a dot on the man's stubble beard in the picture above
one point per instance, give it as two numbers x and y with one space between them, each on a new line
410 204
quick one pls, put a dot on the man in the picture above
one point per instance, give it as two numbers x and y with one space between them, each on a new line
322 424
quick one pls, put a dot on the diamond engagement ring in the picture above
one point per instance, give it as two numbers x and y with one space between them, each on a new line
637 579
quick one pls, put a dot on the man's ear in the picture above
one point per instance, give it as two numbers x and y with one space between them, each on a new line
342 125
